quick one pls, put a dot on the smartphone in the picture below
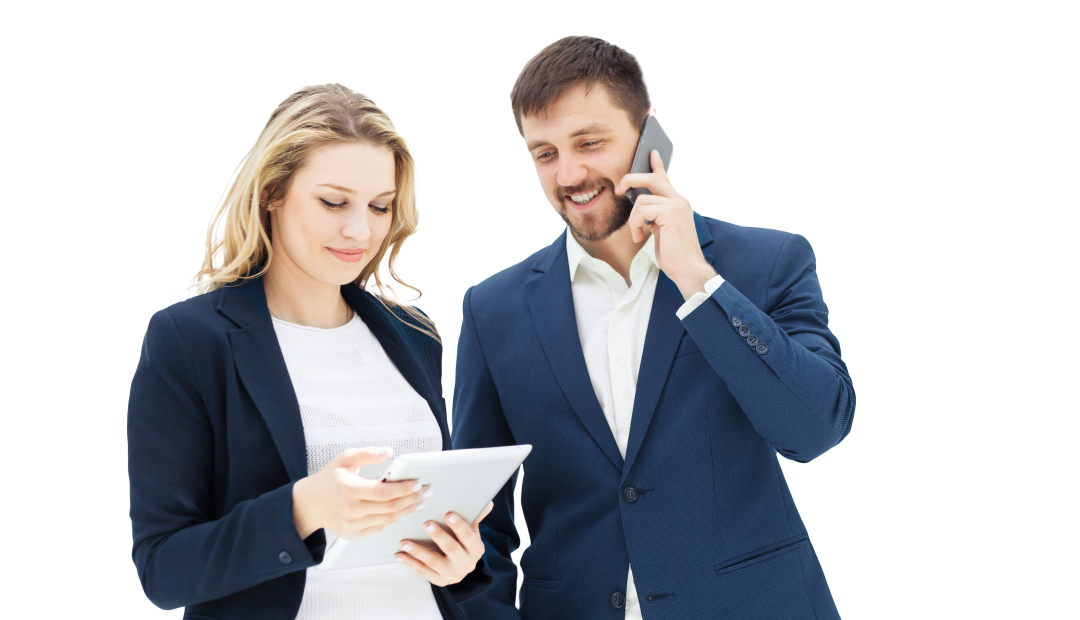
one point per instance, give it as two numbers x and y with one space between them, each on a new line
652 139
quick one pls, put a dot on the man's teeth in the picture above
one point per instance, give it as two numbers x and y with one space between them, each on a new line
584 198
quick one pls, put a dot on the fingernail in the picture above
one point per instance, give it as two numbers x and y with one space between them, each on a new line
430 527
399 558
428 493
406 547
419 506
416 487
451 519
382 451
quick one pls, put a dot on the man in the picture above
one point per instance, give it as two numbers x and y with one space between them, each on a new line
656 360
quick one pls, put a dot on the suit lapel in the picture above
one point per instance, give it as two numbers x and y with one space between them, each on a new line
552 306
261 365
389 332
262 370
662 339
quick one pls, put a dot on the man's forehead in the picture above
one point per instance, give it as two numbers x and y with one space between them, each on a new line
577 112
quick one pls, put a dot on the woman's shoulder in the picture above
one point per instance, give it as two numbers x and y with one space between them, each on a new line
196 317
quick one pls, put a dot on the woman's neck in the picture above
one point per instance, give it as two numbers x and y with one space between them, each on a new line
296 297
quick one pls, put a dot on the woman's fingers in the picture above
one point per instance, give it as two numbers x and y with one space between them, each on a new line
487 511
418 566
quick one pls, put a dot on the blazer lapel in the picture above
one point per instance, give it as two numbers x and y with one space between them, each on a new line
552 306
262 370
662 339
388 331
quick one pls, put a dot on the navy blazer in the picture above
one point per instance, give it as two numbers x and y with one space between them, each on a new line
699 507
215 443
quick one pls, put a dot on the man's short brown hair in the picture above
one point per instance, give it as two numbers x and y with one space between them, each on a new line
568 62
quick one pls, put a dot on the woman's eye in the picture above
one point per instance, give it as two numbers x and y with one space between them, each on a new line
380 208
332 205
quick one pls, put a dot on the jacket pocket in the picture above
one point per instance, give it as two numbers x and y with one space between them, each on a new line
785 546
546 584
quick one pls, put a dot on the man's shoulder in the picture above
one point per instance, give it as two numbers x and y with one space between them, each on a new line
750 236
511 281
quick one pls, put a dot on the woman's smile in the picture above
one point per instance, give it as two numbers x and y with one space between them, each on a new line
347 255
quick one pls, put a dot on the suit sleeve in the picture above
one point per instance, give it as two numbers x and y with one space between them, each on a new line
795 390
479 423
183 554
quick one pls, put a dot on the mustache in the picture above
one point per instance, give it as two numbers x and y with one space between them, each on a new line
581 188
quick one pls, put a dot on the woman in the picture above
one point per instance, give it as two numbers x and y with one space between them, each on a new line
256 404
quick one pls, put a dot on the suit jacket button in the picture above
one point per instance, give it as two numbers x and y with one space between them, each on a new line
284 557
744 331
752 340
630 494
736 321
762 348
617 600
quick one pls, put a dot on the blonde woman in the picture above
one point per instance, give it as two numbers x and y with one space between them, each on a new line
262 409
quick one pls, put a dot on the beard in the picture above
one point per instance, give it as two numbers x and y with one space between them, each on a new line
597 225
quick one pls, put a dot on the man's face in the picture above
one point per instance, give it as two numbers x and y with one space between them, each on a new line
582 146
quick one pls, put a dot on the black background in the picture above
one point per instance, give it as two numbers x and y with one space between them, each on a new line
761 140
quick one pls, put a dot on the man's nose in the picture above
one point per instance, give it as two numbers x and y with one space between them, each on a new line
571 171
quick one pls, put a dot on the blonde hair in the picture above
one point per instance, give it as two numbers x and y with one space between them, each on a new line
310 118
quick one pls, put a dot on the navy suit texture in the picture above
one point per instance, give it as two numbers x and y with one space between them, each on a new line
699 507
215 443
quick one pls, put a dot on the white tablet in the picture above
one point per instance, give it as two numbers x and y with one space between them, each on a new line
463 481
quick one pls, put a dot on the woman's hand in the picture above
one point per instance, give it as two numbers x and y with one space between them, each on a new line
352 507
456 550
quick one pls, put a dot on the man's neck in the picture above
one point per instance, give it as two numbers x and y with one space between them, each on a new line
617 250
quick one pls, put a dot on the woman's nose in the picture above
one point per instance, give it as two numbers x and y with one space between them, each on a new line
356 224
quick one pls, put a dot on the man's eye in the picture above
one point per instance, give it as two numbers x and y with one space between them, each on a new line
592 143
332 205
545 154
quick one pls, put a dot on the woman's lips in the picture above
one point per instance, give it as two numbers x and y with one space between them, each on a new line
349 256
587 204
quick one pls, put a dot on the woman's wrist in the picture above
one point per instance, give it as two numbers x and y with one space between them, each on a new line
301 519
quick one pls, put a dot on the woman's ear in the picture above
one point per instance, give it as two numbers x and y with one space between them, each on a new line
264 200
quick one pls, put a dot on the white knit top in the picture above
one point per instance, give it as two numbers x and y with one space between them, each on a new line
352 396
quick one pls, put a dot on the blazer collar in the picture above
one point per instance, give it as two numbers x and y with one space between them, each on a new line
261 365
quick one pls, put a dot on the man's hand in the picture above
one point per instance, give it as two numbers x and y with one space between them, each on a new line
453 552
671 220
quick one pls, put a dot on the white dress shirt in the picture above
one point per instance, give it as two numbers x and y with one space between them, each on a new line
612 320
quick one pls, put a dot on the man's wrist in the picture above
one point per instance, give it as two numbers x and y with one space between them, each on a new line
694 282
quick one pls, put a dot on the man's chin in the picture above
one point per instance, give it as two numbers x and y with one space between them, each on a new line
596 225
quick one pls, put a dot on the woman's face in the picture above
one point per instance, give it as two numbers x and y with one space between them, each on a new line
336 213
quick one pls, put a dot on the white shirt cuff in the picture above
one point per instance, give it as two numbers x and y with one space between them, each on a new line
697 298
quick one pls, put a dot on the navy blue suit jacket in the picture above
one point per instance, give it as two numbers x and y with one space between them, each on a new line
215 443
712 531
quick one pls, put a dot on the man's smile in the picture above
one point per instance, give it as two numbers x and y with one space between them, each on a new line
582 201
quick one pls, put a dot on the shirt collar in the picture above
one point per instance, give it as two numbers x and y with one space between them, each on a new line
575 254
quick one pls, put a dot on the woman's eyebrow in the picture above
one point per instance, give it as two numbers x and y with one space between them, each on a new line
349 191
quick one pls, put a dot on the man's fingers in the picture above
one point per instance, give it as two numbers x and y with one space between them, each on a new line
657 164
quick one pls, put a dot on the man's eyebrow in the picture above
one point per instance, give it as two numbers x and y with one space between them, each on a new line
349 191
588 129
